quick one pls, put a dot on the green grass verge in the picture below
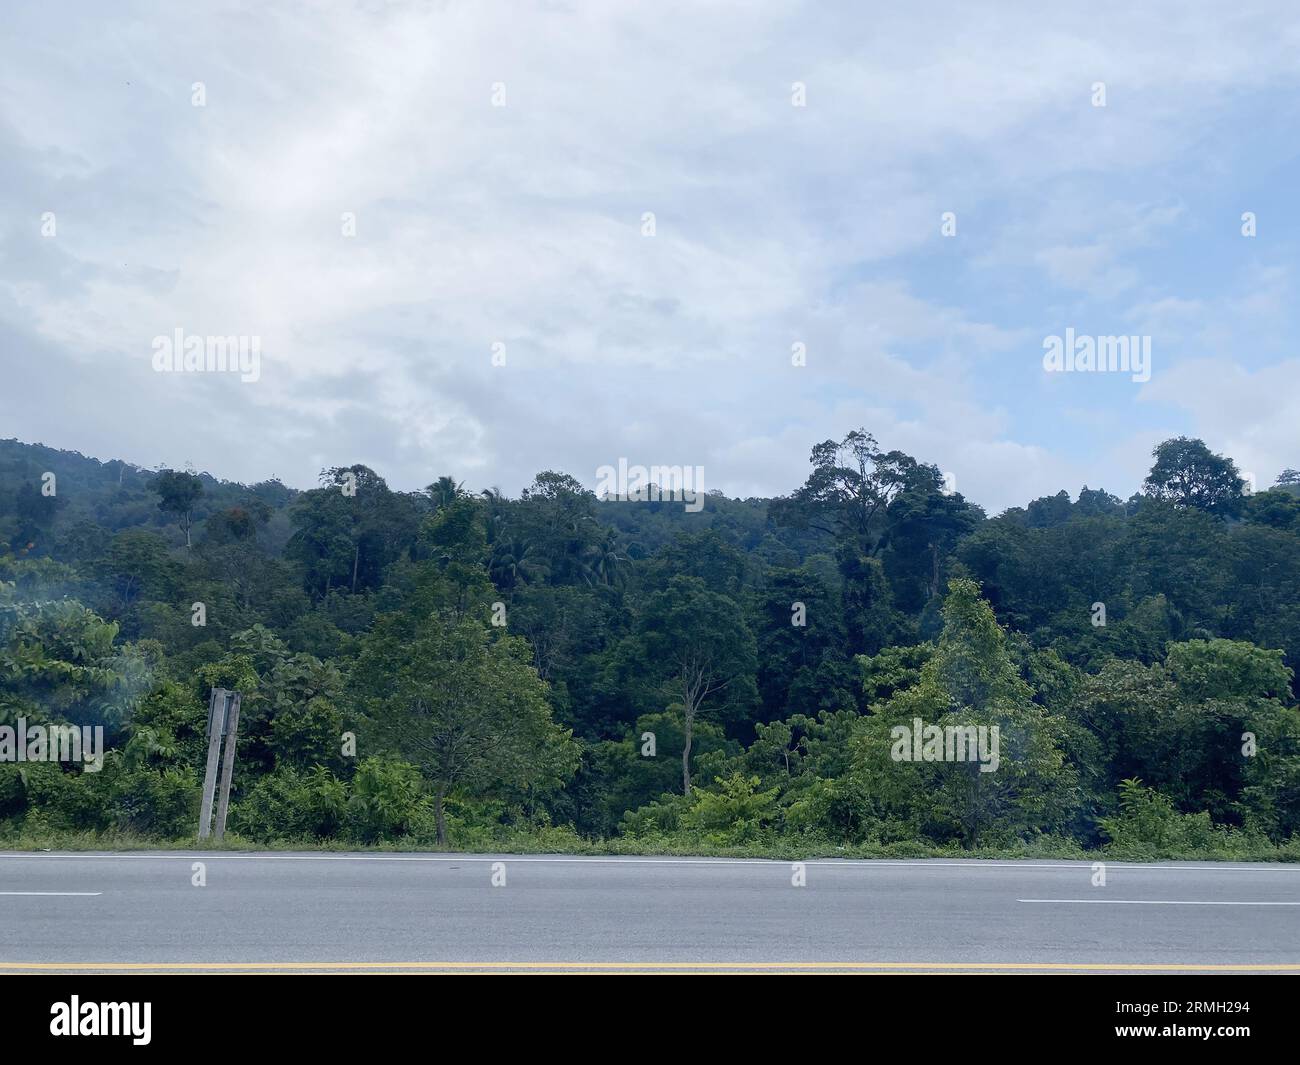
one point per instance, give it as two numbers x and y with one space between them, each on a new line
562 841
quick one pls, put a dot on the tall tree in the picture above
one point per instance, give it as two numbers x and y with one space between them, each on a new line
851 485
1188 474
700 651
469 711
924 524
349 529
556 517
444 491
178 491
971 681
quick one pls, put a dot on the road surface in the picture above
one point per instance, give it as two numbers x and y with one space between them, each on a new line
413 912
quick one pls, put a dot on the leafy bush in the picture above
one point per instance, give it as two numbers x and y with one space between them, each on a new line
288 804
732 813
69 800
160 802
388 800
1148 826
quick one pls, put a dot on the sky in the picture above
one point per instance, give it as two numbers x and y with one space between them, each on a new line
487 239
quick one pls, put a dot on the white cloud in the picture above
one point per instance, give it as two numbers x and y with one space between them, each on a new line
521 224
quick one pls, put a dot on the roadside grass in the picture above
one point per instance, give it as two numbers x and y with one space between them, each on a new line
566 842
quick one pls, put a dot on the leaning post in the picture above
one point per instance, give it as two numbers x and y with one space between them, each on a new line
216 714
228 761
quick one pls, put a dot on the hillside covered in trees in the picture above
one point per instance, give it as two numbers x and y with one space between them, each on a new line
558 670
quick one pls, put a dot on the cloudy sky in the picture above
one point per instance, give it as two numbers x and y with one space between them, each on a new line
129 212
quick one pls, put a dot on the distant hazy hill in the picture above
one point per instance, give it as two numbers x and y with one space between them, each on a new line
115 495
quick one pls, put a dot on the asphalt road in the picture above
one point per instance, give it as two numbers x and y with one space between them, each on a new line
141 911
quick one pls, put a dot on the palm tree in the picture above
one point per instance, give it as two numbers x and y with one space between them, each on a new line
443 491
512 563
605 560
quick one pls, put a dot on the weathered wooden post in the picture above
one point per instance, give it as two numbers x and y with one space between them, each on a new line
216 708
228 762
223 722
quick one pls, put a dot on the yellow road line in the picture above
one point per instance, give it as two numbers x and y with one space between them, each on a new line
556 966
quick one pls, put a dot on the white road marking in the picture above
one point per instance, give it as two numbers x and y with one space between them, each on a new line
82 893
1155 902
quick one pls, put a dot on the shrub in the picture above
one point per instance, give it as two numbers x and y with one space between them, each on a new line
735 812
289 804
1148 825
388 800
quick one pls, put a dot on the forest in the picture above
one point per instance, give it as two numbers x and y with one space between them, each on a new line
454 668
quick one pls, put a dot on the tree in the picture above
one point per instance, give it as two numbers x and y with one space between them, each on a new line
512 563
444 490
791 652
468 711
349 529
1276 507
852 483
36 513
178 492
1180 727
924 524
607 561
237 524
970 681
61 662
137 564
1092 502
705 555
555 516
1188 474
298 698
697 646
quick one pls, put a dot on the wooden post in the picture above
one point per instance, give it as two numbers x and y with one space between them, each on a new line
228 764
216 714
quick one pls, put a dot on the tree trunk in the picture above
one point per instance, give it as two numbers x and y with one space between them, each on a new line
686 752
438 816
356 558
972 817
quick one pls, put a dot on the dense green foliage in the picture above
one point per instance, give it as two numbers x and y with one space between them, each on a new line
440 666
